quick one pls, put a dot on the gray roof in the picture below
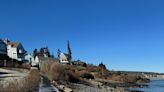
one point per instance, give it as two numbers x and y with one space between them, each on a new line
3 48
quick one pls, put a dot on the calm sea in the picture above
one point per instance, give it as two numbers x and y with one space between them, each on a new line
154 86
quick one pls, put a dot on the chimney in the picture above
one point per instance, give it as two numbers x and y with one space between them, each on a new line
7 40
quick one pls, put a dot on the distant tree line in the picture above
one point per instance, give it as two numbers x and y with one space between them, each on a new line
44 52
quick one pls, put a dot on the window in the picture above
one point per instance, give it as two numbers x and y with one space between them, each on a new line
20 51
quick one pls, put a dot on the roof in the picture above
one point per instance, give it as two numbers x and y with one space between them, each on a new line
47 58
1 42
14 44
3 48
65 54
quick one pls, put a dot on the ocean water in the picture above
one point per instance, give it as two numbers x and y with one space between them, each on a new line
154 86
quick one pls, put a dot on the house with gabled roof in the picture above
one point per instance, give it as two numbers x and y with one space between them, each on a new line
64 58
15 50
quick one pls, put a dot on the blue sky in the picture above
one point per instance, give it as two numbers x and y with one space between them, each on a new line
123 34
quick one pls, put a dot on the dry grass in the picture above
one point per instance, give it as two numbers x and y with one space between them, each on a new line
45 67
32 80
59 73
26 84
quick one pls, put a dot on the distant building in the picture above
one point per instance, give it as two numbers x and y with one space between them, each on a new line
37 59
29 58
64 58
15 50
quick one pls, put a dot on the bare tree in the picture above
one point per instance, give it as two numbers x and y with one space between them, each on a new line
35 53
47 52
41 53
58 53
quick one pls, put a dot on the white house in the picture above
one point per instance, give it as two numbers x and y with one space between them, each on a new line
15 50
30 59
64 59
37 60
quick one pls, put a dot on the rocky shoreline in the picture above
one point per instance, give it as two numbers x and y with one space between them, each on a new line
99 86
96 85
89 78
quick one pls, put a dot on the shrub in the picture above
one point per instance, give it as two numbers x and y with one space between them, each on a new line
33 78
80 63
102 67
45 67
57 72
87 76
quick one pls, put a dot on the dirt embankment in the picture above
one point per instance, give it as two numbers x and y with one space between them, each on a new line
82 77
59 75
74 78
